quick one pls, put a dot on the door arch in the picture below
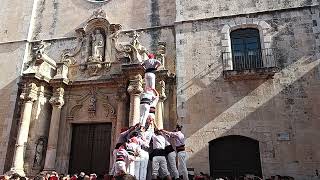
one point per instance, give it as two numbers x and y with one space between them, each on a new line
234 156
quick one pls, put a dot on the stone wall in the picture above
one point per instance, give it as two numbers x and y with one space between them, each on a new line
56 19
210 106
15 19
193 10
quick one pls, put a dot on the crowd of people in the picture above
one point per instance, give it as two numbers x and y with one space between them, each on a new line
53 176
144 150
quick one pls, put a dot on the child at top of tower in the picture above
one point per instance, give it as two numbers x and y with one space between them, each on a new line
150 65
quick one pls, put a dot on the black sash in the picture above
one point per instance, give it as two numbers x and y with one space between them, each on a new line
180 148
145 101
152 70
158 152
169 149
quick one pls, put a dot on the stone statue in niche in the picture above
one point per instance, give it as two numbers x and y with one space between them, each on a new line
98 46
40 152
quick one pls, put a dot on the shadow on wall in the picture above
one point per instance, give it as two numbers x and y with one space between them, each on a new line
10 127
291 110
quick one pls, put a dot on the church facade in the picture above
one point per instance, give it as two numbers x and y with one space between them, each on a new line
241 77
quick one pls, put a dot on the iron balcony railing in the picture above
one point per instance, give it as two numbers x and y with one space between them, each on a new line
249 59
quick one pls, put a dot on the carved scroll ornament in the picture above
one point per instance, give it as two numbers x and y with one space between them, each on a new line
93 96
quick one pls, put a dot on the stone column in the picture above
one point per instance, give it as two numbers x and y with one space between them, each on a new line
160 106
57 102
135 89
29 96
121 111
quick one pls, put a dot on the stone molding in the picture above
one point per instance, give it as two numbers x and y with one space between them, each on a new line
132 52
160 54
30 93
135 85
41 66
108 108
162 90
57 98
243 22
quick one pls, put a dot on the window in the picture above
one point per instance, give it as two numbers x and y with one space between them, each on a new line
246 49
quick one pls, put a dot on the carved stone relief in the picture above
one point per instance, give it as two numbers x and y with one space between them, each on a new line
40 150
132 52
40 65
99 52
90 102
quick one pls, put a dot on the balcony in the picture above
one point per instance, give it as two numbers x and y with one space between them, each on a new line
250 64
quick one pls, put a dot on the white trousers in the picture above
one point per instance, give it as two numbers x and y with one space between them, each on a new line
114 157
172 166
131 168
141 165
150 79
182 165
144 113
159 163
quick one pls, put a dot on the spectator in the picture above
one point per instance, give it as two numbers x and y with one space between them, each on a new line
125 177
81 175
93 176
74 177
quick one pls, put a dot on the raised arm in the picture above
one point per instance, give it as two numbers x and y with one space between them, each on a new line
174 134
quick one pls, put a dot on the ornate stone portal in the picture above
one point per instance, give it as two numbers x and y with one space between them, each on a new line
92 83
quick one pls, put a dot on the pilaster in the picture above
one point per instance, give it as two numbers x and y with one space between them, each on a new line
121 109
57 102
161 88
135 89
28 96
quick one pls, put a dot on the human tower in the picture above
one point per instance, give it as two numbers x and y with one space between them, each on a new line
143 150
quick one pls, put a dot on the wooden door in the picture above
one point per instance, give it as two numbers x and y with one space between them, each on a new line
234 156
90 148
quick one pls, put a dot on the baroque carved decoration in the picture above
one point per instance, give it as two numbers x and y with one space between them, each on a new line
37 52
162 90
93 52
57 98
40 65
135 85
40 151
69 54
160 54
98 48
132 52
92 105
92 96
30 93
